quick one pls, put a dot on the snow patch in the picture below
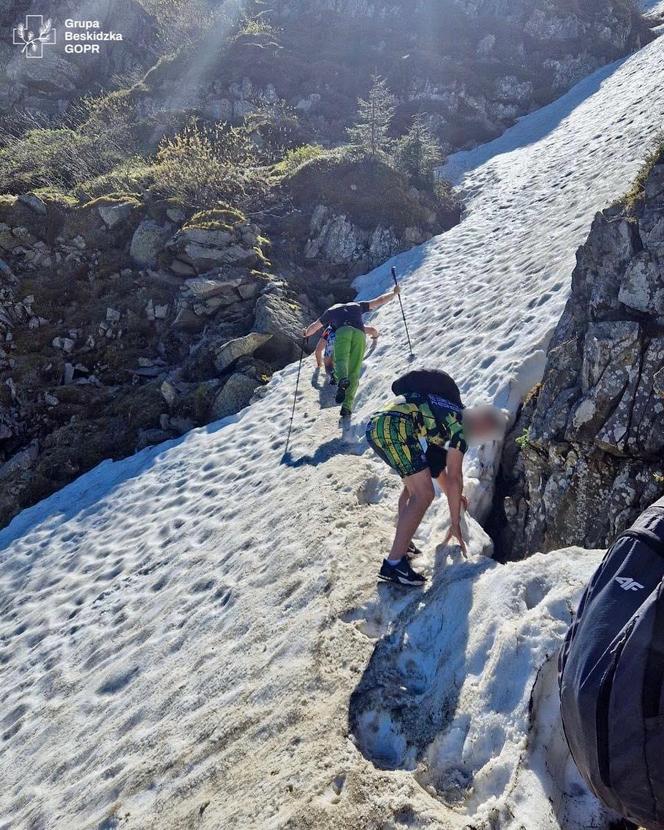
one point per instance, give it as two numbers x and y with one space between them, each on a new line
181 632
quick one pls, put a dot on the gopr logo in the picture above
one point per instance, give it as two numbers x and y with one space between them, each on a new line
33 35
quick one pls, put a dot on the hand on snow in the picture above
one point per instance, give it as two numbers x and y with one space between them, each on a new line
455 533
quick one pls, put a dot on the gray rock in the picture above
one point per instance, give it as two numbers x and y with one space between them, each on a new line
642 287
592 435
241 346
205 288
284 320
34 203
148 241
22 460
234 396
182 268
113 214
207 248
186 320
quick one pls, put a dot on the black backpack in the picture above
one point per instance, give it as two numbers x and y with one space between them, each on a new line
612 675
428 382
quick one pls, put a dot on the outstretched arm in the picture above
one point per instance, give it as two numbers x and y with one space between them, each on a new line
313 328
442 483
454 496
384 298
371 331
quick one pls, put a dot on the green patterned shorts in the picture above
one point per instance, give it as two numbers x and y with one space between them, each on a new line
393 437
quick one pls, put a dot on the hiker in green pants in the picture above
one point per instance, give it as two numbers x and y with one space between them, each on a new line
349 344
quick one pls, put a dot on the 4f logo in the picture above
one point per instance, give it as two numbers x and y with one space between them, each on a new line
628 584
33 35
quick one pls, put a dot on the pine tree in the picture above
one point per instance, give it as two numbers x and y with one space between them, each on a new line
374 116
418 153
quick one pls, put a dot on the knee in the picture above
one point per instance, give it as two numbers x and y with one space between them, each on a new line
425 495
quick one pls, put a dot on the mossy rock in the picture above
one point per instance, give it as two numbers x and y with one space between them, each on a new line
52 197
217 219
111 199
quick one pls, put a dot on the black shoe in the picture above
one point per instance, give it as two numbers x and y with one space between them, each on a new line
345 413
413 550
333 379
401 573
344 383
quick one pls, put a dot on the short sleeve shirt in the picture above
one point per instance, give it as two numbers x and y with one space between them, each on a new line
439 422
345 314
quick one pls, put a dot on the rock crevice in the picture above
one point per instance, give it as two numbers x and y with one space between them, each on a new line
586 455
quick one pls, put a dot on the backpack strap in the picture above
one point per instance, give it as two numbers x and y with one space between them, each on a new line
647 537
649 529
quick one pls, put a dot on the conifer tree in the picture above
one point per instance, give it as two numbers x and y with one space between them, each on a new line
370 133
418 153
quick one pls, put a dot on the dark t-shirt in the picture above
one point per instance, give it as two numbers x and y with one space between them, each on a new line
345 314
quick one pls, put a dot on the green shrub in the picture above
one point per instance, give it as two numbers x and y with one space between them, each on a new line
134 175
296 158
523 440
203 166
59 158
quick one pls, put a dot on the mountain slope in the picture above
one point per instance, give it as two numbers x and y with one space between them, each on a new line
182 631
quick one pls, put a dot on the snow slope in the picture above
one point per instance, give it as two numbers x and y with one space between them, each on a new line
193 637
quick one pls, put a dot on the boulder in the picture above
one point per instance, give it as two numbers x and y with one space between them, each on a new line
148 241
35 204
283 319
234 396
239 347
205 288
112 214
53 73
641 287
212 245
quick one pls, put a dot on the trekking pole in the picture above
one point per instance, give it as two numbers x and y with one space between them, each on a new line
297 384
405 324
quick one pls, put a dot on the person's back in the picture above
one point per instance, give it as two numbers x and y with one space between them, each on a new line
345 314
349 344
435 419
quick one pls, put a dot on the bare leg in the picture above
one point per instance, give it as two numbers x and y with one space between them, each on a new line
403 501
420 495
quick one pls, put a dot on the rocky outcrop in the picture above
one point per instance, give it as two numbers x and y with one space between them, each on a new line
357 213
49 85
587 453
106 347
473 66
216 238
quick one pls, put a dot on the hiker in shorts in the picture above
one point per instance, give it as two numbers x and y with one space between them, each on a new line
325 350
349 343
396 434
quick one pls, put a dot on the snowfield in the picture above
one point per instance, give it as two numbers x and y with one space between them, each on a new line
193 637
